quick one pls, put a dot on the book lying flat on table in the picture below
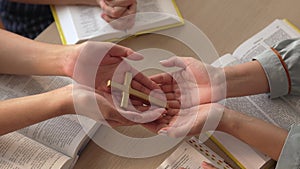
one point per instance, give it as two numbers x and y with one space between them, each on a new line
190 154
51 144
79 23
282 112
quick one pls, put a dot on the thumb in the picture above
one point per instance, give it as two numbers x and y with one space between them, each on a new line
121 51
135 56
173 61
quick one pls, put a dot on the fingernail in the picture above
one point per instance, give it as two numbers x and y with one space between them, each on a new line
204 163
162 132
162 61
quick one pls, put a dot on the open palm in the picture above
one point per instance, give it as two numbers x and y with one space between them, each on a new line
194 84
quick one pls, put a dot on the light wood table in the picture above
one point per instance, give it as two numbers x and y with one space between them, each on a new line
226 23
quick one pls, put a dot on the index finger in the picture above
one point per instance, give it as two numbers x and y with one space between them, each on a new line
116 53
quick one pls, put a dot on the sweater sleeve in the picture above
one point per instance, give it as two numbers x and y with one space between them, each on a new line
282 67
290 154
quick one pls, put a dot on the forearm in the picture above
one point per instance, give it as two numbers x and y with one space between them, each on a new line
20 55
59 2
246 79
22 112
264 136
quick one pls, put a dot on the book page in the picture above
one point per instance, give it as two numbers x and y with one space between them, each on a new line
87 23
30 85
190 155
19 152
243 153
184 156
154 14
64 134
277 31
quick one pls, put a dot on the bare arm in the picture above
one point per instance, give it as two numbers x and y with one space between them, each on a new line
246 79
21 112
20 55
264 136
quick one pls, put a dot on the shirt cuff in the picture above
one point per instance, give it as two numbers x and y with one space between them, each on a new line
275 72
290 154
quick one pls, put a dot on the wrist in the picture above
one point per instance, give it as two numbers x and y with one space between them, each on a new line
228 122
246 79
51 60
234 79
68 60
63 100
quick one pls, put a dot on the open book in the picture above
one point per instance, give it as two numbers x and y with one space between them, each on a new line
190 154
54 143
282 112
79 23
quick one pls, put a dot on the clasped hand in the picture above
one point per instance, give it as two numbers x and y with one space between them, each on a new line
119 13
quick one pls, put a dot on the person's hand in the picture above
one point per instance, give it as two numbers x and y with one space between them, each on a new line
194 84
94 63
119 13
82 100
190 121
204 165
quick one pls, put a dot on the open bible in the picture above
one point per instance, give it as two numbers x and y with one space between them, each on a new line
79 23
54 143
190 154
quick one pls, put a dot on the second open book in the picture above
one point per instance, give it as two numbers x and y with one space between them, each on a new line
79 23
282 112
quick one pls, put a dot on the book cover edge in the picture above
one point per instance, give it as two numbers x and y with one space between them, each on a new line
226 152
58 25
166 26
291 25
